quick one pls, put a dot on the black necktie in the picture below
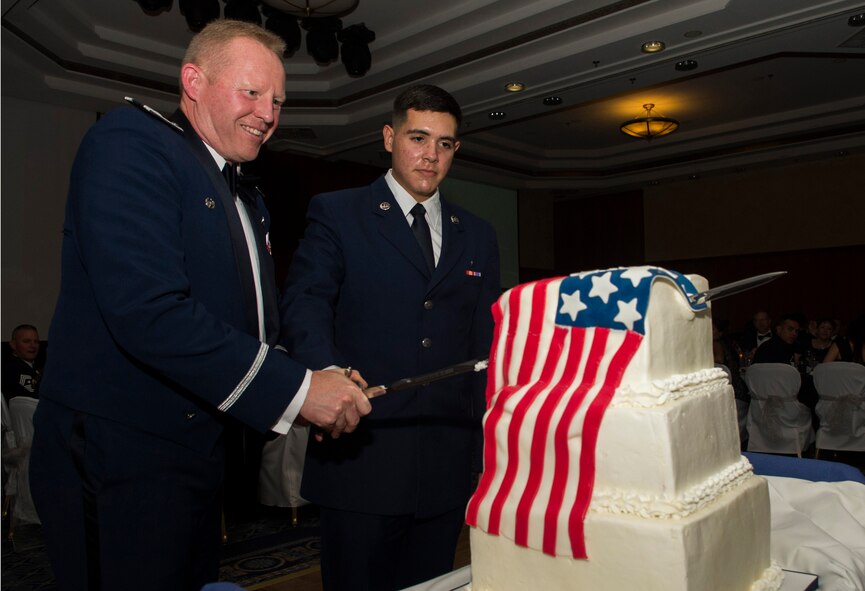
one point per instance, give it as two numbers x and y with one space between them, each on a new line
422 235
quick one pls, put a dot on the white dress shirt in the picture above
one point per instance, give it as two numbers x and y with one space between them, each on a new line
288 417
432 205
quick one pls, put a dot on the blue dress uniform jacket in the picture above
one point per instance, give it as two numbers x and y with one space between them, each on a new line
153 328
359 294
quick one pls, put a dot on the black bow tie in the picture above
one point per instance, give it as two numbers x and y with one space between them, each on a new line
239 184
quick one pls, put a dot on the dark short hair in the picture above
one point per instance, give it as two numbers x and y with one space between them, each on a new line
797 318
21 327
425 97
825 320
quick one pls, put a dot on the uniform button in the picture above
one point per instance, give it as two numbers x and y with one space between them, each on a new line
428 305
426 343
190 415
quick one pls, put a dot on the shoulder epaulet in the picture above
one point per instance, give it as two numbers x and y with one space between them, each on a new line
152 111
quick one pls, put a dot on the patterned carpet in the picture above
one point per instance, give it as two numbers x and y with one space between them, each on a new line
260 551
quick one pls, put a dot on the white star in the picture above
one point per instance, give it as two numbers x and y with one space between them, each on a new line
628 314
602 287
571 305
636 274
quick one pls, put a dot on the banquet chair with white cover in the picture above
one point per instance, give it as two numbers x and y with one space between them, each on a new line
11 455
840 387
777 421
21 409
281 470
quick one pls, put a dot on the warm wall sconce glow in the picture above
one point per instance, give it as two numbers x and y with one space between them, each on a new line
649 125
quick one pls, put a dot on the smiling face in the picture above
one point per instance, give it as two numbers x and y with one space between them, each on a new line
422 149
233 103
825 330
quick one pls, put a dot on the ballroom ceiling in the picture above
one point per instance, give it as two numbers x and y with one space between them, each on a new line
776 81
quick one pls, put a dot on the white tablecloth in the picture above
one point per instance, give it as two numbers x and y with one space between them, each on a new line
819 527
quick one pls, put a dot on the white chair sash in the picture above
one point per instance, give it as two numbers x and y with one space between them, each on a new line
841 406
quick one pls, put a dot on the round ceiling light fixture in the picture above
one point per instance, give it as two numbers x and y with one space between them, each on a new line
653 46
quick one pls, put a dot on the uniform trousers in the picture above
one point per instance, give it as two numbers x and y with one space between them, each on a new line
122 509
363 552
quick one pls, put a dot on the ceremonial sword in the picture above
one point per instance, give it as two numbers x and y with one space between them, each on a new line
476 365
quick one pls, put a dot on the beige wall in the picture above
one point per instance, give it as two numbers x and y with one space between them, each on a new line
802 206
536 238
38 146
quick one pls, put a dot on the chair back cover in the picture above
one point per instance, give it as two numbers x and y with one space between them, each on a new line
10 452
840 387
281 470
777 421
21 409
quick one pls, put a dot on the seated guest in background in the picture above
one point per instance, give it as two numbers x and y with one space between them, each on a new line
850 347
782 348
817 346
756 333
726 352
20 373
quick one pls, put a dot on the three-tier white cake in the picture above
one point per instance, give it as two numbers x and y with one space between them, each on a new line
611 456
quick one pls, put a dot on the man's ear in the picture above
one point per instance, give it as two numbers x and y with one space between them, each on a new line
191 79
387 134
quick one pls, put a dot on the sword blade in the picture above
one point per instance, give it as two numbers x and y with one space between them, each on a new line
473 365
727 289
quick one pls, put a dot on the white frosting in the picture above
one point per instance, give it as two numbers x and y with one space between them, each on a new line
771 580
660 392
678 340
666 450
627 502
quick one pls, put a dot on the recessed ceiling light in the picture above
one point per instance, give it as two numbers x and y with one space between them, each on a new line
552 101
692 34
653 46
686 65
497 115
857 20
515 87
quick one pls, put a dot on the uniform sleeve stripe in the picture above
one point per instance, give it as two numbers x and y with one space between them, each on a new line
247 379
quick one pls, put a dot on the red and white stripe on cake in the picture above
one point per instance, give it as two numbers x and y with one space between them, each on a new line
550 380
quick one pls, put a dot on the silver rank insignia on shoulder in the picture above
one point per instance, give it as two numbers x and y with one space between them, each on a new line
455 219
209 202
384 206
152 111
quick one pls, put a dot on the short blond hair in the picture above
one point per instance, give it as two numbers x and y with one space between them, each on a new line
208 48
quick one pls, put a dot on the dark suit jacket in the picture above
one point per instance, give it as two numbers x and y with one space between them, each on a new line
153 327
358 294
775 351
